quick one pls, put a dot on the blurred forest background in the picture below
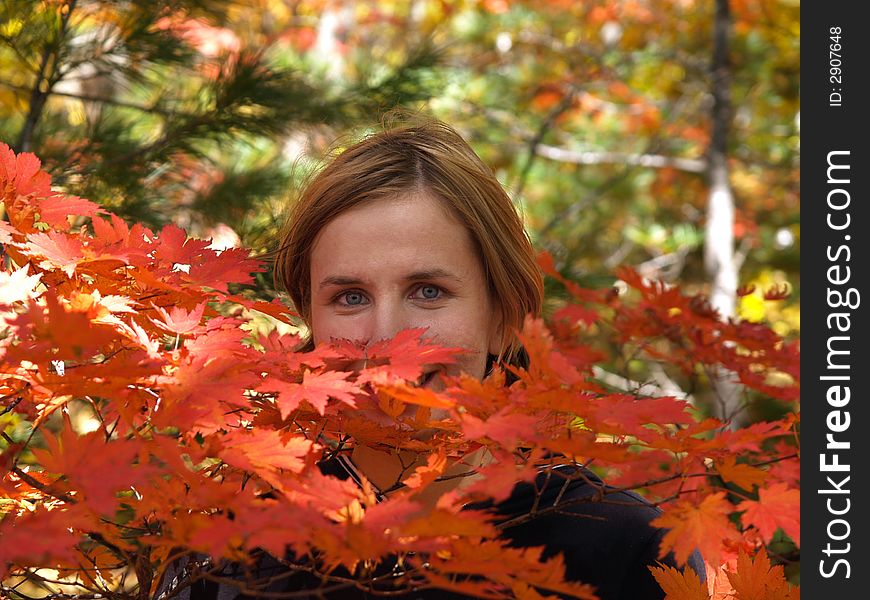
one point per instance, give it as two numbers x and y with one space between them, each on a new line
661 134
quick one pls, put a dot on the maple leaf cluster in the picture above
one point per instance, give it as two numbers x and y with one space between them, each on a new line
206 435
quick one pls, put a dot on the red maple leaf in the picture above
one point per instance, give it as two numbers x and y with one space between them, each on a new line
43 537
221 336
60 250
175 247
21 176
789 470
265 452
55 209
498 478
622 413
200 392
506 427
281 344
574 313
7 233
777 506
402 357
217 269
316 389
113 238
275 309
26 192
546 363
95 469
54 331
178 320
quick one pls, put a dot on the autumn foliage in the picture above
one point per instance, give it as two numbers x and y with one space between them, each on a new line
207 430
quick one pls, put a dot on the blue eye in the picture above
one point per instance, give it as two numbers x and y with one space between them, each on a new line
352 298
429 292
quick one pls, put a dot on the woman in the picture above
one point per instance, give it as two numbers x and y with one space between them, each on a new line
409 229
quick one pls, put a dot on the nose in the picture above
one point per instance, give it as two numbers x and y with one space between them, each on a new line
387 318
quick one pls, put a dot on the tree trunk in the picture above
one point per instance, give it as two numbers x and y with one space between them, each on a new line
719 258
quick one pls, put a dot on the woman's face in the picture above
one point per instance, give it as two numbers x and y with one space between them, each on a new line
398 263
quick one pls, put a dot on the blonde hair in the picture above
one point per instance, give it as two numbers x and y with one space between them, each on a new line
419 155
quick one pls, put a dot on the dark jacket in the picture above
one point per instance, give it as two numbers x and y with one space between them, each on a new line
608 543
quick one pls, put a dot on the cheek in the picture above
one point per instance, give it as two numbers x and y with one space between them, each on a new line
462 328
471 336
324 327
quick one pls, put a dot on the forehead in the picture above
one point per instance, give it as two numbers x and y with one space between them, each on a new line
404 233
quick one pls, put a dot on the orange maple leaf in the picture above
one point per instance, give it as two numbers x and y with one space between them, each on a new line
746 476
718 585
546 363
755 579
703 526
507 566
432 470
441 522
403 393
680 585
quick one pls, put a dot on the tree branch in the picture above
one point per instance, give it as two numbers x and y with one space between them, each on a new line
665 388
654 161
45 80
102 99
665 266
566 103
24 60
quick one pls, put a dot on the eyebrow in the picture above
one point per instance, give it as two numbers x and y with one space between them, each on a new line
436 273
